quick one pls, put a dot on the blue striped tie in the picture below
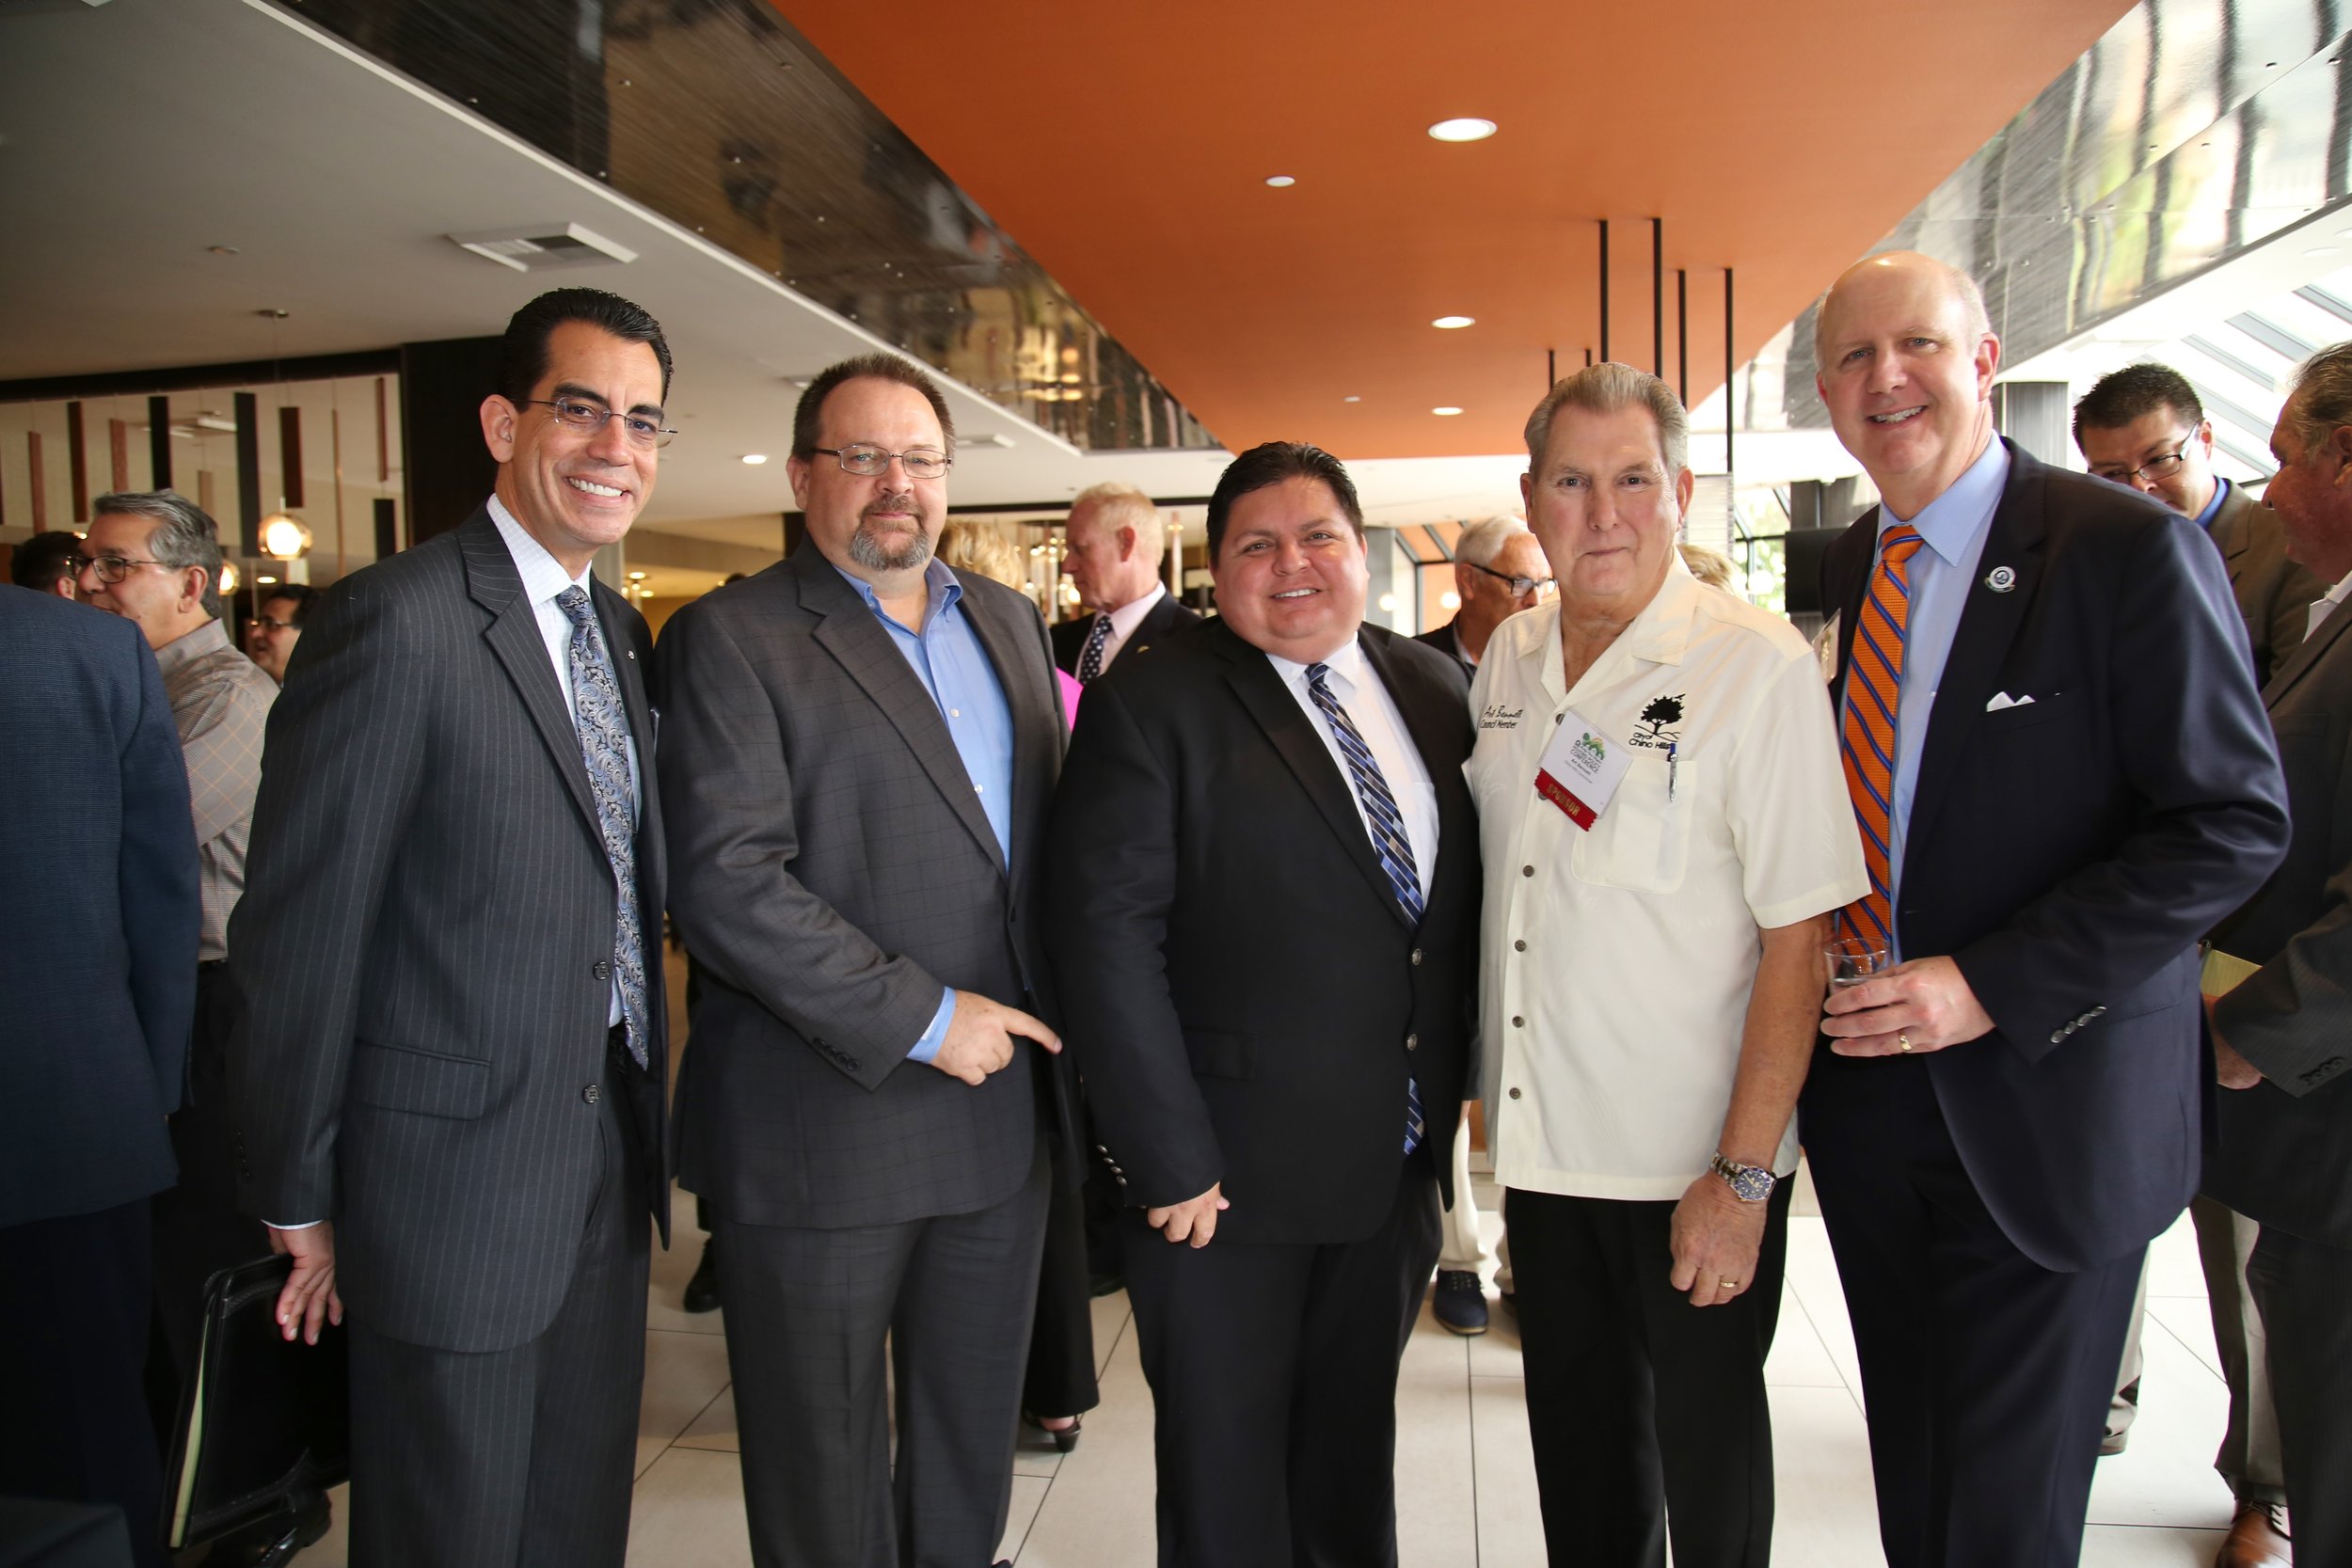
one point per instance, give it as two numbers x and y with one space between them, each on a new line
1389 844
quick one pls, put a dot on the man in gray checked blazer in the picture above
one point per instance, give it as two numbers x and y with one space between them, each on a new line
859 747
446 1094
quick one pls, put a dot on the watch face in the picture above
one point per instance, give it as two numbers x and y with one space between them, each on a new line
1752 1184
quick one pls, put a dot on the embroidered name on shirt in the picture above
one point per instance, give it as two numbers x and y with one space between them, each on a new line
1496 716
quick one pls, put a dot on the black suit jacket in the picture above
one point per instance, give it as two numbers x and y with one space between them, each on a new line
1442 639
833 873
425 946
2068 853
1166 617
1240 985
98 973
2285 1145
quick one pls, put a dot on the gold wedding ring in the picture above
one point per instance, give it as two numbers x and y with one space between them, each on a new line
1902 1042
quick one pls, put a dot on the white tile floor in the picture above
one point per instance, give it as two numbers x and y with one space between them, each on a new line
1467 1487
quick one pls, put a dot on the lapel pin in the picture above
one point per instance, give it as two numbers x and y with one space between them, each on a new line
2001 580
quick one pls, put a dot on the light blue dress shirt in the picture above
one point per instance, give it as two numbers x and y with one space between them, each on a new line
947 657
1954 528
2213 506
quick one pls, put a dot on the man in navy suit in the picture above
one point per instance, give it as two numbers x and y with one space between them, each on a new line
97 988
2064 778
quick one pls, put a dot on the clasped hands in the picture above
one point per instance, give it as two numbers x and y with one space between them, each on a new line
1924 1004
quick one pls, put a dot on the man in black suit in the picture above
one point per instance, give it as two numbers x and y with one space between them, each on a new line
1499 570
1264 911
448 1089
861 745
2063 778
97 988
2284 1034
1117 542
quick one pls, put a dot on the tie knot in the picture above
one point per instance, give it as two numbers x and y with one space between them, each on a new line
1318 676
573 602
1899 543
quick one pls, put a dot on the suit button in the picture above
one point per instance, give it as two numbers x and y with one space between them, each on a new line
590 1094
1412 1042
601 970
2059 1038
1100 1150
1417 955
1519 946
2098 1012
1515 1094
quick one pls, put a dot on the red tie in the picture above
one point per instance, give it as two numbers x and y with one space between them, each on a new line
1874 681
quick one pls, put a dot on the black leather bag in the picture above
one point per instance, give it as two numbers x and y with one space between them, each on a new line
262 1418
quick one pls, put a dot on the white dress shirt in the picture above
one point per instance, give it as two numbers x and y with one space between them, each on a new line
1376 718
1125 619
2322 609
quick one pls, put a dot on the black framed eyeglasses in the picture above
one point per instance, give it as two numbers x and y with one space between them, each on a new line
865 460
588 417
1521 586
111 569
2155 471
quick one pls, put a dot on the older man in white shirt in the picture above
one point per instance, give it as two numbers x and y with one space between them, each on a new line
1664 833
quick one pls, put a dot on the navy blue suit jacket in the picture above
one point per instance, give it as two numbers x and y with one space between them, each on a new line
2068 853
98 973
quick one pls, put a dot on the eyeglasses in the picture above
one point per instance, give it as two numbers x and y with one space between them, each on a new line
110 568
1521 586
2154 470
589 418
259 622
864 459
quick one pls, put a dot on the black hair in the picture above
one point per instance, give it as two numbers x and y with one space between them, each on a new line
808 417
43 561
1265 465
523 352
302 594
2121 397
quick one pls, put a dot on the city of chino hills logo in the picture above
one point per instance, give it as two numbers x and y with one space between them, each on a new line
1663 717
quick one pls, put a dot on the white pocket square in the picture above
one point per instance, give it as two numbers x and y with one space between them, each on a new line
2002 698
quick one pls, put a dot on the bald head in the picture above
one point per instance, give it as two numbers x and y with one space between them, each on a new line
1906 359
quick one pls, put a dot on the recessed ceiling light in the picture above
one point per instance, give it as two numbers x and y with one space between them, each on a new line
1465 129
1280 182
1445 413
1351 398
755 458
1450 322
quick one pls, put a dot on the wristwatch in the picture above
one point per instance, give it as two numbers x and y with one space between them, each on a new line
1751 1184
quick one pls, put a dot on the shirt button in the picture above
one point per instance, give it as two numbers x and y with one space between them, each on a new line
601 970
955 713
1415 956
979 789
1519 946
589 1094
1518 1023
1515 1094
1527 871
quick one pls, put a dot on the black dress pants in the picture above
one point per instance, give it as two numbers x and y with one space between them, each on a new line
2304 1292
1060 1379
74 1306
1986 1377
1648 1415
1273 1371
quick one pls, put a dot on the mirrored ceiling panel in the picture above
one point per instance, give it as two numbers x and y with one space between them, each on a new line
719 116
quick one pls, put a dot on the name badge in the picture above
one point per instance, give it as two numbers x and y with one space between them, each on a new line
1581 771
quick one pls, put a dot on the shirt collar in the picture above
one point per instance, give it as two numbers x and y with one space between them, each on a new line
1127 617
543 575
1347 666
1660 632
2213 506
1949 524
212 637
2343 587
941 591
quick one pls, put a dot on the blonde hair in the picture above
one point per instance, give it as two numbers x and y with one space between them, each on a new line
970 547
1711 567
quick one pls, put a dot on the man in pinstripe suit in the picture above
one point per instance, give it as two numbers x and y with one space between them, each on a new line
861 743
448 1091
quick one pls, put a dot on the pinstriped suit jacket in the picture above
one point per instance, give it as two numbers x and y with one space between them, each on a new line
425 941
833 872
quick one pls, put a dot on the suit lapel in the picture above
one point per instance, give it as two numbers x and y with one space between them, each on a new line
850 632
610 613
1431 716
1297 740
1856 555
2230 534
1038 735
1989 622
514 638
2306 653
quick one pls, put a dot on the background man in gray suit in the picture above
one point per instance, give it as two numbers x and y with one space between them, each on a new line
861 743
449 1085
2283 1037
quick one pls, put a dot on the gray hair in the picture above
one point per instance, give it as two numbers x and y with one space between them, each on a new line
1120 505
1482 540
186 535
2321 399
1609 388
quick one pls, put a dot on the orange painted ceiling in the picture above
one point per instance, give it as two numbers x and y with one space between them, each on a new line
1126 147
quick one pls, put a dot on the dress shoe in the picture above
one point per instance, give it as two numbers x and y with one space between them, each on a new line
273 1542
702 1291
1459 1302
2257 1539
1065 1438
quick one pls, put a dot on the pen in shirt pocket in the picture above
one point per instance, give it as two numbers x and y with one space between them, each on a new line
1670 772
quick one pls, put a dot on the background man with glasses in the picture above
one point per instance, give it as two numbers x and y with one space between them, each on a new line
860 745
272 634
449 1089
2143 426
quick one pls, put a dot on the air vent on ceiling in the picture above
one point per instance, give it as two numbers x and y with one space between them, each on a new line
544 247
27 8
985 438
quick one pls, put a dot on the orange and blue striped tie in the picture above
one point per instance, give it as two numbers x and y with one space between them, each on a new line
1874 681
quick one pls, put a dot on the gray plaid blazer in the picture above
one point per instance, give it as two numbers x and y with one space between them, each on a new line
832 871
